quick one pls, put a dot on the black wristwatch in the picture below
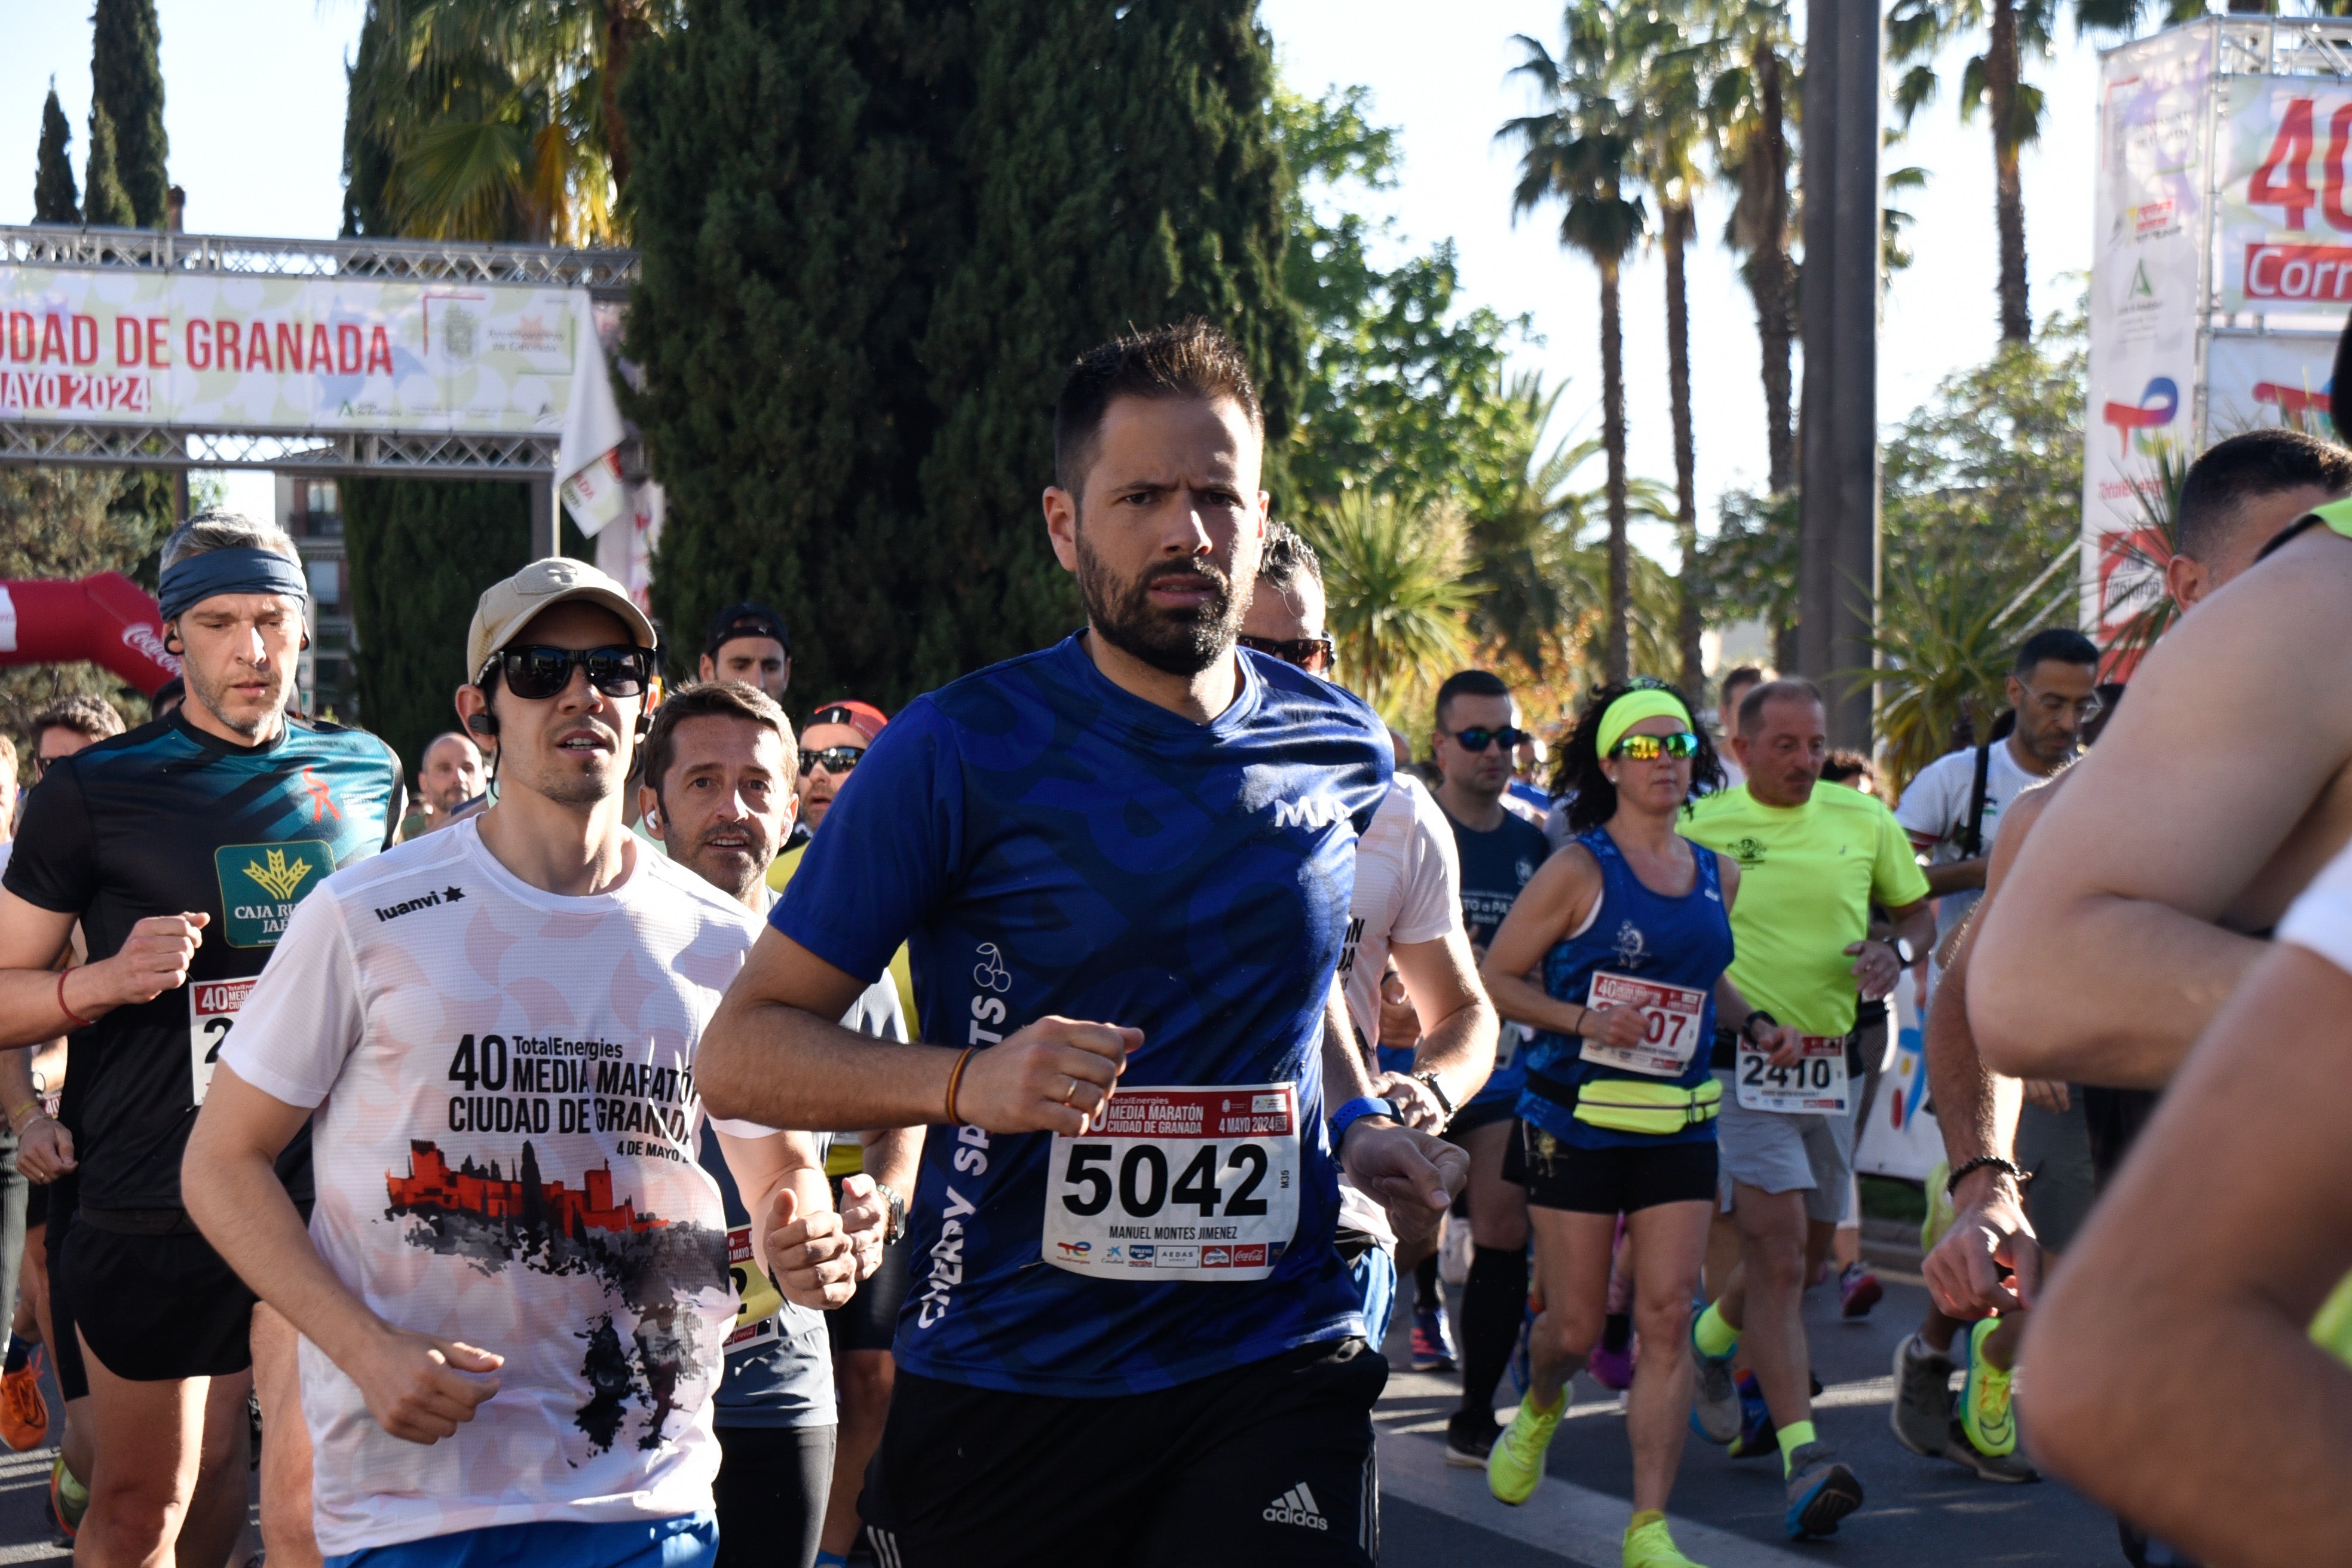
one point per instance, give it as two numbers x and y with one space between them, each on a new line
1444 1100
894 1225
1904 954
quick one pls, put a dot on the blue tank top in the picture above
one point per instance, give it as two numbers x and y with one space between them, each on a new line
1683 941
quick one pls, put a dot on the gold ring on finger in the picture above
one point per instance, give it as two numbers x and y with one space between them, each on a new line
1069 1091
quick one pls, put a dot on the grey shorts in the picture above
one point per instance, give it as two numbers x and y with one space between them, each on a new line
1777 1153
2055 1145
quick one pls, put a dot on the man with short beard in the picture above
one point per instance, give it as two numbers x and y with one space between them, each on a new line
182 847
1129 853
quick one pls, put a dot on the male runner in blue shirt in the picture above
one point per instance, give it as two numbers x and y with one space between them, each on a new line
1130 853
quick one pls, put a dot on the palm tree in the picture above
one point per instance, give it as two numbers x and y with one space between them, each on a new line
1916 30
1749 52
1576 151
494 118
1665 86
1398 600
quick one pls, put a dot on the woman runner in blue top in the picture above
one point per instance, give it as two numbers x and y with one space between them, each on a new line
1629 924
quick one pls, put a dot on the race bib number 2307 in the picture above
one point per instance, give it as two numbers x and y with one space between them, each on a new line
1178 1184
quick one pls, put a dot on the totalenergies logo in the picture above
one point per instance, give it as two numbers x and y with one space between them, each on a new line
2135 421
2296 401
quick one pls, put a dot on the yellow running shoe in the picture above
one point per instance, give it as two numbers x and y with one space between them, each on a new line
1651 1547
1985 1413
1515 1464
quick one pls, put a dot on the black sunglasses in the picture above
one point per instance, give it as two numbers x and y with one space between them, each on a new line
536 672
1478 740
833 759
1313 654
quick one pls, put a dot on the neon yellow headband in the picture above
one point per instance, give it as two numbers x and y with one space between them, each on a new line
1648 702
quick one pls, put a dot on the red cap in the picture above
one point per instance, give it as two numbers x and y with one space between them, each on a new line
862 717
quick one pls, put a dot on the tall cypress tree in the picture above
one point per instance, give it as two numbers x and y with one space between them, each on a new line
876 234
126 81
104 201
54 200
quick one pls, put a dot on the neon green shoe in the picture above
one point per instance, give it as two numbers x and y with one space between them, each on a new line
1651 1547
1515 1464
1985 1413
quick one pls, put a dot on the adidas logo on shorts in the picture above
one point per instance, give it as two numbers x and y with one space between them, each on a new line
1296 1506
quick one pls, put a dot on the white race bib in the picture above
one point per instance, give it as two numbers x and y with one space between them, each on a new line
1812 1084
757 1299
212 1011
1670 1017
1178 1184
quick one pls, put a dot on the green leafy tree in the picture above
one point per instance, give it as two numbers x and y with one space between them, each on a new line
489 116
126 81
1397 597
1576 152
1404 391
54 200
104 201
874 238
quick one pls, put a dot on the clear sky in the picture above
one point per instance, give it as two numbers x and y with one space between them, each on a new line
254 106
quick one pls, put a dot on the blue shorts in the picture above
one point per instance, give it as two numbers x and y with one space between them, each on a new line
687 1541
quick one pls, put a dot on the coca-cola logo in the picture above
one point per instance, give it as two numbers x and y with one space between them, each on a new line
148 643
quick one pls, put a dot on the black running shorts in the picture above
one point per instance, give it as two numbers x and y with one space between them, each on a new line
1269 1464
73 1378
1613 1181
154 1308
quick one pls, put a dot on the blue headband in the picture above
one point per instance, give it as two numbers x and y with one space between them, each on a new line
239 570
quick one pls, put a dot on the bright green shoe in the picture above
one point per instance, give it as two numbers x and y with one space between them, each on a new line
1985 1413
1515 1464
1651 1547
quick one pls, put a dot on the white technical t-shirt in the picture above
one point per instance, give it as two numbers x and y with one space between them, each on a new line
1934 813
1407 889
504 1149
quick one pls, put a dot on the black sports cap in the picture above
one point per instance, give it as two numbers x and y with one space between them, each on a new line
746 620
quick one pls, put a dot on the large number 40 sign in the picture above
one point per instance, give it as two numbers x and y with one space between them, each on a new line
2284 178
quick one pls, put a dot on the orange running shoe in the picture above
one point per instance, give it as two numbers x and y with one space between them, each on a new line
24 1414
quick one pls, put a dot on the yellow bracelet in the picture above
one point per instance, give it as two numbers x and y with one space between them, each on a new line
17 1112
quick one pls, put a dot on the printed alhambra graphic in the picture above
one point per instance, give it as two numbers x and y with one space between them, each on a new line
492 1219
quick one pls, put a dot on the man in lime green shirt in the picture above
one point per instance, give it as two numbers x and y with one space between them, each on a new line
1812 862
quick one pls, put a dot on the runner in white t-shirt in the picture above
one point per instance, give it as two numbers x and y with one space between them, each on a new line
515 1286
1407 906
2053 691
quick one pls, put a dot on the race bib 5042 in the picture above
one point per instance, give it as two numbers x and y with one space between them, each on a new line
1178 1184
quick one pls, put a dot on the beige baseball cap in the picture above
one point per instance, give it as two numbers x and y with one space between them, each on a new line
506 607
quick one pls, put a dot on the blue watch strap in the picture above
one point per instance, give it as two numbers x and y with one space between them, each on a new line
1355 1111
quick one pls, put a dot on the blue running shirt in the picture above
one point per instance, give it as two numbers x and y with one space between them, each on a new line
1647 935
1047 843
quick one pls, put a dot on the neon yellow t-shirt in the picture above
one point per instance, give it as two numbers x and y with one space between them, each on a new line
1808 875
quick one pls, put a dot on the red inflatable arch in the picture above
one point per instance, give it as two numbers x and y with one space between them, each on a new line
105 619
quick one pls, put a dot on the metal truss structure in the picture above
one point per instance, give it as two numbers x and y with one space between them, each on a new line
604 274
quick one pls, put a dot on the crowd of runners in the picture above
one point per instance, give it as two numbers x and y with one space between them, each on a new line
653 1133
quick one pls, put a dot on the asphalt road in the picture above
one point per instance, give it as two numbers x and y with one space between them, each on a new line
1726 1514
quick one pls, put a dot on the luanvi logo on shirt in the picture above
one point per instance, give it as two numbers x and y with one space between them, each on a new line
421 901
261 883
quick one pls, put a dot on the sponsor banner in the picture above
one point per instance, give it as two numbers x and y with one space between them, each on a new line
326 355
2255 381
2286 229
2146 282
